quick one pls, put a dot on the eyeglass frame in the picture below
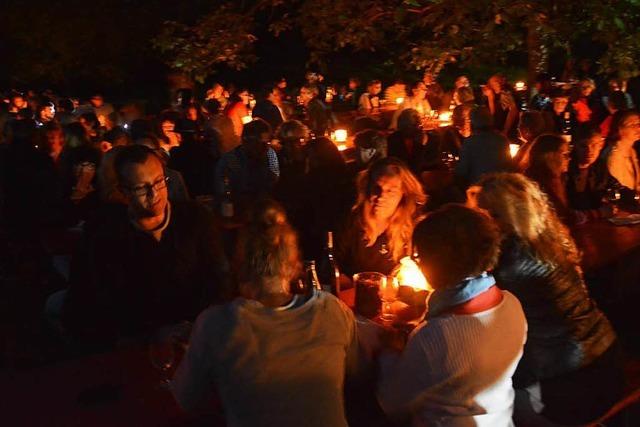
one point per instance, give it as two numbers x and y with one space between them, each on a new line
144 189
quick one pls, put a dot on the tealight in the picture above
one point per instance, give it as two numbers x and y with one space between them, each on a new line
340 135
513 149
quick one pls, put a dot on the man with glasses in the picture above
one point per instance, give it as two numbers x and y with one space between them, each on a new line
144 265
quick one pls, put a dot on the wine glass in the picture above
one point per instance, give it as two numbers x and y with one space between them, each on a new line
388 292
368 286
162 355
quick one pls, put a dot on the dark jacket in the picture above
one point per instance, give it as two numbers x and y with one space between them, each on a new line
123 282
483 152
267 111
566 330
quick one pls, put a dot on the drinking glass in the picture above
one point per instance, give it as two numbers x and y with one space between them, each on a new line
368 286
388 292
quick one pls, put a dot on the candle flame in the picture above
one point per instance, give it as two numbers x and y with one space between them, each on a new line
410 275
340 135
399 100
513 149
520 85
246 119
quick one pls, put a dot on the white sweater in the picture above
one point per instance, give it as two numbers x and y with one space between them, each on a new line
456 369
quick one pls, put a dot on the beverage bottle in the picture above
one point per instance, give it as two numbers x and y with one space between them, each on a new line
226 204
566 126
311 277
328 271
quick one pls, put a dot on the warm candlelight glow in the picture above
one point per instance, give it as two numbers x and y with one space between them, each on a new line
445 116
340 135
342 147
399 100
513 149
410 275
520 86
252 104
246 119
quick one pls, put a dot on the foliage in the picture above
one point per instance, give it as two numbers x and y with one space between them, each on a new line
420 34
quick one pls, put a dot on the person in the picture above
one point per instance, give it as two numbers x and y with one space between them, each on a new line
396 92
531 125
570 354
616 101
417 101
560 115
169 137
237 110
581 101
435 93
460 94
484 151
457 366
548 166
371 145
143 265
501 104
275 358
378 231
588 176
622 160
316 114
369 102
541 100
269 106
252 168
409 141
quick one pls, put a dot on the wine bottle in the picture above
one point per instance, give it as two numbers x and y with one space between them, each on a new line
311 277
328 271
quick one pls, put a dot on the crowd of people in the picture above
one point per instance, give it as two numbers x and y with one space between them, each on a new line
205 212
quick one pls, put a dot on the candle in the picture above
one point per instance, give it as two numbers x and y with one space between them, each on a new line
410 275
445 118
246 119
340 135
520 85
399 100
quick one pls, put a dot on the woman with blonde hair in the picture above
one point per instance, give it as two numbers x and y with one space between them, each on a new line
389 205
273 357
569 370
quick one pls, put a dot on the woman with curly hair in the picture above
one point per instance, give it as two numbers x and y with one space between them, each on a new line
389 204
570 354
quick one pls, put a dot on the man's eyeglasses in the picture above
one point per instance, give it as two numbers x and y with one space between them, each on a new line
143 190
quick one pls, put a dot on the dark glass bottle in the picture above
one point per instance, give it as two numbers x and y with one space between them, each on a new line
328 271
226 204
311 277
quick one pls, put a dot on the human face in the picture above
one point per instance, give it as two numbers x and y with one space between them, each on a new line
97 101
192 114
47 114
462 81
495 84
244 96
559 160
586 89
305 95
19 103
589 151
386 196
167 127
145 188
472 196
560 104
55 141
375 89
630 128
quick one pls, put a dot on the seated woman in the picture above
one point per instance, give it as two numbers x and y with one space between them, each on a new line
588 176
622 159
456 368
570 354
548 166
378 234
275 359
409 142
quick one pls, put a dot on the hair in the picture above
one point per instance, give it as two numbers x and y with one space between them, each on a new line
292 130
92 119
459 113
617 100
414 85
267 250
408 122
481 119
522 209
292 135
618 119
533 122
465 95
538 156
585 133
130 155
312 88
406 215
371 138
373 82
456 242
252 132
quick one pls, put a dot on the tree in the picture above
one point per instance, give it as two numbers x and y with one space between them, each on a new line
420 34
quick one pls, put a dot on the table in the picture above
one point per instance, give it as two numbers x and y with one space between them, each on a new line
119 388
604 244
